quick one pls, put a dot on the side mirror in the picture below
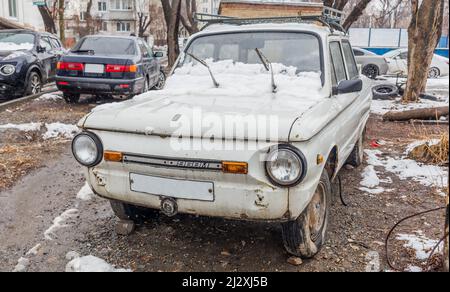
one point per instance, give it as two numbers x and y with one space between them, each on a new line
41 49
158 54
348 86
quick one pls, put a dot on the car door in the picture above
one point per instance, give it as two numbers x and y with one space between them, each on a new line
343 67
154 66
48 60
146 60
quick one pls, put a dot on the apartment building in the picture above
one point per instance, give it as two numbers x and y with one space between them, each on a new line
20 13
208 6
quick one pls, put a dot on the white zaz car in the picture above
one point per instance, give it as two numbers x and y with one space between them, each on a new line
398 63
255 123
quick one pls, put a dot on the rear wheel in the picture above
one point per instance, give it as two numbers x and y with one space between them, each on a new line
34 84
371 71
434 73
136 214
305 236
71 98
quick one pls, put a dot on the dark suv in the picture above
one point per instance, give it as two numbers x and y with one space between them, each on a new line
107 66
27 61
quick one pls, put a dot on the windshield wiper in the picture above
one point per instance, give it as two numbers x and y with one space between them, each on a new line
90 52
268 65
216 84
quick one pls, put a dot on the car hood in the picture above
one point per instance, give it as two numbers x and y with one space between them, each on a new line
12 54
243 107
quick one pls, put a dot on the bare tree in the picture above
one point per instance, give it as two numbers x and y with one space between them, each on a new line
188 10
48 15
158 28
424 34
172 9
356 10
61 8
143 17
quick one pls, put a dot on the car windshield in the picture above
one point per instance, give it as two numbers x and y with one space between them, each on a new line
16 41
299 50
107 46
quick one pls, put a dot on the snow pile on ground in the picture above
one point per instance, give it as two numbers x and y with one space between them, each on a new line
55 130
29 127
419 243
60 222
22 265
415 144
49 97
90 264
380 107
86 193
15 47
427 175
371 182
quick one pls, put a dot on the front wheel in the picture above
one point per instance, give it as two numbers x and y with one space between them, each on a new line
161 81
371 71
136 214
34 84
305 236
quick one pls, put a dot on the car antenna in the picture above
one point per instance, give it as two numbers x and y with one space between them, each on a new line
268 65
216 84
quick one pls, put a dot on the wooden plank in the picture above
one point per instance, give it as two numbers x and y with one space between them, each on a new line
253 10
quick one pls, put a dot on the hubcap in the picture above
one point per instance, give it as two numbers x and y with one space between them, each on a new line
433 73
371 72
35 84
317 211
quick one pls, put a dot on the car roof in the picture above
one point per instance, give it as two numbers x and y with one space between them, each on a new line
289 27
28 31
113 36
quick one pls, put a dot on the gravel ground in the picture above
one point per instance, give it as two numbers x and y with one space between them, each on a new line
45 188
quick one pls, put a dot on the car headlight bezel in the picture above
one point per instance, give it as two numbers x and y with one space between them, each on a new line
4 67
296 155
95 141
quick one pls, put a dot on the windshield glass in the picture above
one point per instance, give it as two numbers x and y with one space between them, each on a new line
107 46
16 41
299 50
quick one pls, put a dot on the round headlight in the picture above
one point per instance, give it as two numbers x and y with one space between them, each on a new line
8 70
87 149
286 166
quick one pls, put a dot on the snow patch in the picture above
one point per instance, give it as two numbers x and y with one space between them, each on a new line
49 97
60 222
89 264
381 107
29 127
414 269
415 144
427 175
370 177
86 193
419 243
22 265
34 251
55 130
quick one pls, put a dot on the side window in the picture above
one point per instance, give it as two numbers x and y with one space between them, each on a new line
358 53
149 50
144 50
45 43
350 60
55 43
338 62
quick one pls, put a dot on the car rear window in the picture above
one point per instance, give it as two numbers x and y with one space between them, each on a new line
107 46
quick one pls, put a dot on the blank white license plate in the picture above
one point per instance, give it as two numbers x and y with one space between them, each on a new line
94 68
174 188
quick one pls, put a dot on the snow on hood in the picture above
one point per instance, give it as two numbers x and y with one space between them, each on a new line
245 91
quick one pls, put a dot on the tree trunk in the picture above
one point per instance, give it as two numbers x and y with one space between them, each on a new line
424 33
61 8
144 23
172 9
188 10
89 25
418 114
446 243
47 18
356 13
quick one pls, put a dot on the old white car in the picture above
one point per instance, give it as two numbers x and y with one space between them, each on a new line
255 122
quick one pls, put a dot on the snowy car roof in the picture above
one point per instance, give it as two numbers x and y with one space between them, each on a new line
310 27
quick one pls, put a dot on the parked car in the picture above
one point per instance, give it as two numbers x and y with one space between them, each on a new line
398 64
372 65
27 61
108 66
301 79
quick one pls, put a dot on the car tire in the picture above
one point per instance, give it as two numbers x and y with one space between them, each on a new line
385 92
434 73
371 71
356 158
161 81
136 214
34 84
305 236
71 98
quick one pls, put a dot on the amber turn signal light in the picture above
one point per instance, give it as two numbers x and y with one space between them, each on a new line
235 167
113 156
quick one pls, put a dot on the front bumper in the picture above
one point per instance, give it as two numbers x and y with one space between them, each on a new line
77 85
11 86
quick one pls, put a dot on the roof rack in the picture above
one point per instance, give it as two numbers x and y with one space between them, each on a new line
330 17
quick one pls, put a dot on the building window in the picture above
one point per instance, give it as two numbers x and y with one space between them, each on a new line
102 6
12 8
122 4
123 26
82 16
